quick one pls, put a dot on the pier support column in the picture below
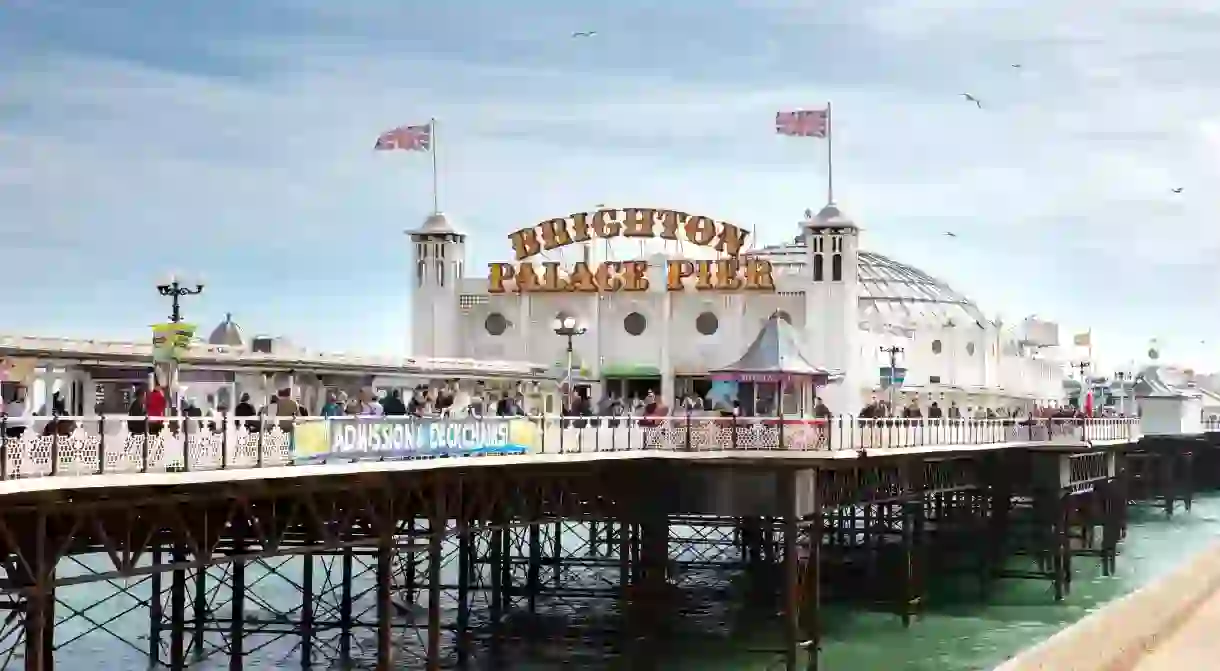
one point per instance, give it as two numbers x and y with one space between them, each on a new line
177 612
345 606
39 628
385 604
912 543
307 624
237 630
998 505
792 570
495 565
436 527
534 569
811 579
154 610
465 562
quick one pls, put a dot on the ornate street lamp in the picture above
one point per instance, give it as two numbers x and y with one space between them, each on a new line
175 291
1122 377
569 327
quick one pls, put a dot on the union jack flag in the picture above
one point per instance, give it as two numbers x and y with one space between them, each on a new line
803 123
408 138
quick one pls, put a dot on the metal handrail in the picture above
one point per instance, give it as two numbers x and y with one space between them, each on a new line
111 444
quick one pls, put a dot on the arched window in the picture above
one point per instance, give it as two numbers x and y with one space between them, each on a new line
836 268
936 347
818 271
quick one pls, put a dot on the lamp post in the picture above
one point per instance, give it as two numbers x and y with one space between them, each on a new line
175 291
1082 366
893 351
568 327
1122 376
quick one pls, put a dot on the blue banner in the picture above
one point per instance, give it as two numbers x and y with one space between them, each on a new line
391 438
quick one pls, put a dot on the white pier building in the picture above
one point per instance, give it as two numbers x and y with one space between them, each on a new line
848 303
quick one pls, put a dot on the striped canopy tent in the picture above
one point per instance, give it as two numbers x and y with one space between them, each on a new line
775 356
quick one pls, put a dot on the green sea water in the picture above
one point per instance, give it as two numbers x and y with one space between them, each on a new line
957 632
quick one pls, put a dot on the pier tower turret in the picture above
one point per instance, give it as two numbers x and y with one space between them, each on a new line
438 259
832 298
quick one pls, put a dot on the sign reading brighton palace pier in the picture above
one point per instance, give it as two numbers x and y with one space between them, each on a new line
729 273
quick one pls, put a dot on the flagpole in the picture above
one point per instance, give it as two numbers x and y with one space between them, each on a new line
436 198
830 163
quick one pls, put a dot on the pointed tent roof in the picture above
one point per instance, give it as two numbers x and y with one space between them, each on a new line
775 353
1161 382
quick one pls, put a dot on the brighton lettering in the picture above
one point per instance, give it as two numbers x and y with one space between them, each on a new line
705 275
631 222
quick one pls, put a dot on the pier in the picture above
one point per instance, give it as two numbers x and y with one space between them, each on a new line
217 543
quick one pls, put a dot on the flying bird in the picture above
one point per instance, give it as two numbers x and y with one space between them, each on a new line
951 234
1177 190
972 99
584 33
1016 65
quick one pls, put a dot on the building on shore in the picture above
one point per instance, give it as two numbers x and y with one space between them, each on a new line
662 323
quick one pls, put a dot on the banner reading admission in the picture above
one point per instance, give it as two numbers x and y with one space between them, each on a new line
350 438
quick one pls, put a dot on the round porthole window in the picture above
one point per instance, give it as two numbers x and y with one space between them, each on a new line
495 324
707 323
635 323
936 347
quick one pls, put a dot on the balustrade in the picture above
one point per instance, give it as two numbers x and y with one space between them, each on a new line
120 444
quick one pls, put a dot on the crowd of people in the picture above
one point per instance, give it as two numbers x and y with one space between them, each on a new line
150 405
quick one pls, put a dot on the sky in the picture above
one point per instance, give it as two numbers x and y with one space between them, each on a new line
231 141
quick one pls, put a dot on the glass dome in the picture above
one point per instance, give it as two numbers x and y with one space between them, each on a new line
891 293
226 333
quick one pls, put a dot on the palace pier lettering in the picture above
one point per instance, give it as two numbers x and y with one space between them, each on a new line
705 275
732 273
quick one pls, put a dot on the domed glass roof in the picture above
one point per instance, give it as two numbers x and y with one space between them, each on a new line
226 333
891 293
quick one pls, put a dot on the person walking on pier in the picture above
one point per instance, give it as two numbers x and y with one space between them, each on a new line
284 406
17 414
393 405
333 406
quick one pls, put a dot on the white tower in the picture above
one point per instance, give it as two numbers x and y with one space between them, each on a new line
438 259
832 299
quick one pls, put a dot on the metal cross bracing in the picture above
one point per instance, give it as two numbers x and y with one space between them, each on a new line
205 552
469 568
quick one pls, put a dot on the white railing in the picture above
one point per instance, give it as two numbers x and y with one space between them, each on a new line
119 444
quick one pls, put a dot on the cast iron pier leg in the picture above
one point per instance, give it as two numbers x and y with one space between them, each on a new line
435 538
177 615
237 626
345 608
792 570
307 611
385 606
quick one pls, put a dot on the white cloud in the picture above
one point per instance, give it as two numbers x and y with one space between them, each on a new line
1059 190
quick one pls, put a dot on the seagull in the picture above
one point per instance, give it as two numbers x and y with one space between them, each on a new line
951 234
1016 65
1177 190
584 33
972 99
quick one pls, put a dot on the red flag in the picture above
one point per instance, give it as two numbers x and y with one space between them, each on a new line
803 123
408 138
